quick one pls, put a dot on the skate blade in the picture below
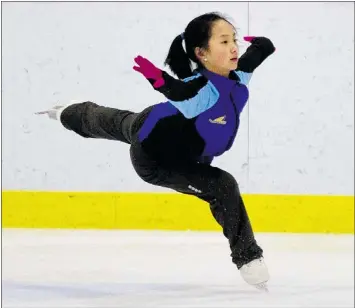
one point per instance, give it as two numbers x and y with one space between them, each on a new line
262 286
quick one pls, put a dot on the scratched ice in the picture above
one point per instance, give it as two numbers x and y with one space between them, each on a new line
58 269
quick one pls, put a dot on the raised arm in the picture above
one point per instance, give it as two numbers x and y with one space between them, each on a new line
256 53
190 96
173 89
260 49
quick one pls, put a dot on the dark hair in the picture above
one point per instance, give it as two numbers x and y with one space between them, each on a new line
197 34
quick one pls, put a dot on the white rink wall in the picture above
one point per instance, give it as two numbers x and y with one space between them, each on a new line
297 131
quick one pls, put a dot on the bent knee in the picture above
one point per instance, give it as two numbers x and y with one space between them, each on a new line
227 187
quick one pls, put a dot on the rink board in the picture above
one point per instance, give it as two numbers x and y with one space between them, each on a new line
170 211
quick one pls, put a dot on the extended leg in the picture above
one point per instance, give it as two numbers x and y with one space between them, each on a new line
90 120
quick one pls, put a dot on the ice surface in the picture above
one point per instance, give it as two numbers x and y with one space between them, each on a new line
71 268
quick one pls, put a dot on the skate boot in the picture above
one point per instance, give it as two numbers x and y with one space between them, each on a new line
256 273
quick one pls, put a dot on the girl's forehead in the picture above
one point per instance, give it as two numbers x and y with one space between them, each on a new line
221 28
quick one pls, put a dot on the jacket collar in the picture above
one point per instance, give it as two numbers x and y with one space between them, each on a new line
219 80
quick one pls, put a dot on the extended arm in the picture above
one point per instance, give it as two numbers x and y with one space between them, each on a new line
173 89
190 96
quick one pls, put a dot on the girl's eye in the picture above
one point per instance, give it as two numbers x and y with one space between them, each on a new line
225 42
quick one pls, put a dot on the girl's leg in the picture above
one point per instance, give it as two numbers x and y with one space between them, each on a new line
90 120
213 185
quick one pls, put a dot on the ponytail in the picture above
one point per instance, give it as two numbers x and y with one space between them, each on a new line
177 59
196 34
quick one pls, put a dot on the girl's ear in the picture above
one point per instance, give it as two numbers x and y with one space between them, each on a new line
200 54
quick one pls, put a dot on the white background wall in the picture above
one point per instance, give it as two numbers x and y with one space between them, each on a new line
297 131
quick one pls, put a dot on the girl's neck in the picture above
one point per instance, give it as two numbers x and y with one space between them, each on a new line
218 72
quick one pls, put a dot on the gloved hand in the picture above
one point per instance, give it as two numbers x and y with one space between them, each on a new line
249 38
149 71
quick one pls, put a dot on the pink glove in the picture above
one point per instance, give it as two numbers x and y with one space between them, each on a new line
149 71
249 38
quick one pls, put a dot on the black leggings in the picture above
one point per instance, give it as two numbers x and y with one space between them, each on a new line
211 184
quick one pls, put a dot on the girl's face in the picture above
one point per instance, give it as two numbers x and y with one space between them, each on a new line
222 54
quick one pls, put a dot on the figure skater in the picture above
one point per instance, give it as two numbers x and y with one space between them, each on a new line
173 143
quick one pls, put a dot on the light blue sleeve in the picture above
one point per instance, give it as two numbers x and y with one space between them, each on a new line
202 101
244 77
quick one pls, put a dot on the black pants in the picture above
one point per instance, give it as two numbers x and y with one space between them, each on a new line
211 184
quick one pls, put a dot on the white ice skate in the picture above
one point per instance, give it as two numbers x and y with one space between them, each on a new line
55 112
256 273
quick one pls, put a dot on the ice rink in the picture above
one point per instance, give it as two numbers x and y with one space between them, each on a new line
56 268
